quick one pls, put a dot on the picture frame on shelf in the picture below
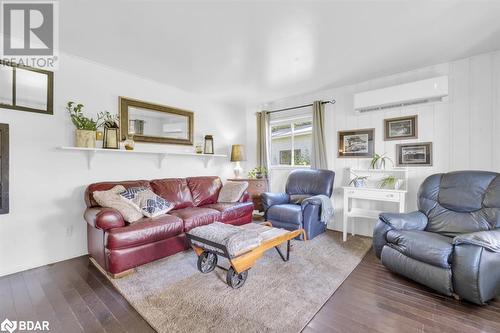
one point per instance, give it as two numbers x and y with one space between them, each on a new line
414 154
401 128
356 143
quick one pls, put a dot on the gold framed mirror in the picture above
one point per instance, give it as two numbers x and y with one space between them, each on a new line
148 122
25 88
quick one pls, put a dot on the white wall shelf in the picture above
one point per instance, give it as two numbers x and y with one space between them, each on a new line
162 155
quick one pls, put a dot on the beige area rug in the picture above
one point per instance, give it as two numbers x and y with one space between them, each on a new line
173 296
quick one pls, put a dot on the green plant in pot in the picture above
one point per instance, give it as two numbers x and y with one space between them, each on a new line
85 127
388 182
358 181
257 172
379 161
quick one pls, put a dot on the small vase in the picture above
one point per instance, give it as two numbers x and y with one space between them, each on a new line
129 144
85 138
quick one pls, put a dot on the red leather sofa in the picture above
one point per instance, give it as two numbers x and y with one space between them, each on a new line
118 246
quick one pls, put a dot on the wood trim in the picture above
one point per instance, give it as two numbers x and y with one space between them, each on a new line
125 102
114 276
4 172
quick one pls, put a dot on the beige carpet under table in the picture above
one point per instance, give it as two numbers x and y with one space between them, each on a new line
173 296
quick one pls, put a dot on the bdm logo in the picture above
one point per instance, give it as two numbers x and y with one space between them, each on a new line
30 33
8 326
23 325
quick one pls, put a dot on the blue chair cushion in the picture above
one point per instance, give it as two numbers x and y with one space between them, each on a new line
433 249
286 213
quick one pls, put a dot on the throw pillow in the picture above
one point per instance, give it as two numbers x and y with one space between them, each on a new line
150 204
112 199
232 191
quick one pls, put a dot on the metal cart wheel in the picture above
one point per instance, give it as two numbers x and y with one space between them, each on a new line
207 262
234 279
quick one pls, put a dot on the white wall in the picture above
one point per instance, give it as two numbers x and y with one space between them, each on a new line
465 131
45 222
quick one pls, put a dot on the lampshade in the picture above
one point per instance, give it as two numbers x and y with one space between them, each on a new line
237 153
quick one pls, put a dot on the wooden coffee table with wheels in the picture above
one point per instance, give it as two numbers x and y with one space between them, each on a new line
208 252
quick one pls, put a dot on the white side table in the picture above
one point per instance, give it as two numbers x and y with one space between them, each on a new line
375 194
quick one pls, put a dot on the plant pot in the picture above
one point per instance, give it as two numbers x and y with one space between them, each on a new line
85 138
359 183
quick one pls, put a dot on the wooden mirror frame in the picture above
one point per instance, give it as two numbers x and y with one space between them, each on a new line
125 103
50 89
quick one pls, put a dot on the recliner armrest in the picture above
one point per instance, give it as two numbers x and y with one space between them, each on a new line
271 199
405 221
489 240
104 218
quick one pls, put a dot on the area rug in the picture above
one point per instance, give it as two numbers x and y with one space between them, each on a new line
173 296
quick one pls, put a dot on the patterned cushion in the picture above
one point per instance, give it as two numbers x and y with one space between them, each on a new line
112 199
232 191
150 204
237 240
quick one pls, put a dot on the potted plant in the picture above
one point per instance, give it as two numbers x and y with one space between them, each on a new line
358 181
257 172
391 182
379 161
85 127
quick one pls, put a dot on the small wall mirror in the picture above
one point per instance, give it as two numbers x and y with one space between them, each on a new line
26 89
149 122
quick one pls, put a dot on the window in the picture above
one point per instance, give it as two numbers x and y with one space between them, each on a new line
291 142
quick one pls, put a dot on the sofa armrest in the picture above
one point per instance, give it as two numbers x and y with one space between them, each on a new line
489 240
399 221
104 218
271 199
405 221
245 197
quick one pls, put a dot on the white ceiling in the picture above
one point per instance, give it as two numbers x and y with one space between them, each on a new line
256 51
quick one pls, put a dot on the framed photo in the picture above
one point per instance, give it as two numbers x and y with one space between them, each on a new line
401 128
356 143
414 154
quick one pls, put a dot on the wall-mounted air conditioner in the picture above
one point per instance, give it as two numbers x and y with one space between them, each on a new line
418 92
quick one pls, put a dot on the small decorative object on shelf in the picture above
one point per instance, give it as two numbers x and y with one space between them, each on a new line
257 173
379 161
110 123
129 143
199 148
85 127
237 155
99 135
391 183
358 181
209 144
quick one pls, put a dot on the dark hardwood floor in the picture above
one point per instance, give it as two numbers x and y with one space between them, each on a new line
74 296
372 299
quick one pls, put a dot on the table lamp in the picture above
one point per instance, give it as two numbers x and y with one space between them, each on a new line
237 155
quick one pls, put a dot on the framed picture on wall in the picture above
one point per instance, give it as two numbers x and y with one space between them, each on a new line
356 143
401 128
414 154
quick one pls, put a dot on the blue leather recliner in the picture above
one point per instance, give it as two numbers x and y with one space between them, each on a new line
295 208
452 243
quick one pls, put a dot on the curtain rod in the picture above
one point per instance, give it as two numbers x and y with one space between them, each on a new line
301 106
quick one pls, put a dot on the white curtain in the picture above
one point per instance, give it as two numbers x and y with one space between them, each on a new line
318 154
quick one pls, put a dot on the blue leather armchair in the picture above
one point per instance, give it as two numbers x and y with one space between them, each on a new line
290 211
452 243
